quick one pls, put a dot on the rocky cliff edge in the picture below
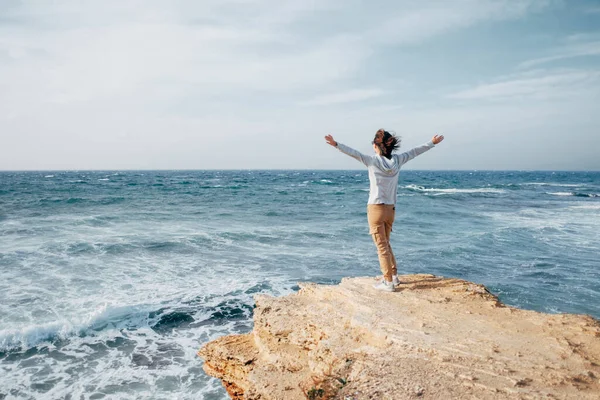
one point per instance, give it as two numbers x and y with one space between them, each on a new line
434 338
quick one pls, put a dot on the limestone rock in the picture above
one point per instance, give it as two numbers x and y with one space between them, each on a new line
434 338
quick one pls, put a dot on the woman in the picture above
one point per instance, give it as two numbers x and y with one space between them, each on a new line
384 170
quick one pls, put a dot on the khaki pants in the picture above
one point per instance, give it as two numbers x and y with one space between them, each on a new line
381 218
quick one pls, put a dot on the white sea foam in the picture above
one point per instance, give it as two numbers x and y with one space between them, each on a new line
453 190
595 206
103 316
31 335
561 193
157 366
562 220
49 176
554 184
573 194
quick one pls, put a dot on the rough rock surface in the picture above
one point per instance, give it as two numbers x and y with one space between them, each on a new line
434 338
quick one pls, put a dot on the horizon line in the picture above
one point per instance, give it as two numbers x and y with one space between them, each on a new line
293 169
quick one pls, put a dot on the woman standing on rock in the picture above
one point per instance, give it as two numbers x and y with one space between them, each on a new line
384 169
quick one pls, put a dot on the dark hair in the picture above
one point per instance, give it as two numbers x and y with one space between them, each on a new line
387 142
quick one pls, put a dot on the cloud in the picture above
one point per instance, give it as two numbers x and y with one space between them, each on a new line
69 53
344 97
155 52
149 83
592 10
544 86
572 50
414 25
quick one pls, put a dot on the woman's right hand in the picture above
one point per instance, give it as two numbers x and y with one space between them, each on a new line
329 140
437 139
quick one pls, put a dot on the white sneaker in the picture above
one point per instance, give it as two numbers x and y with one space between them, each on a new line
395 280
385 286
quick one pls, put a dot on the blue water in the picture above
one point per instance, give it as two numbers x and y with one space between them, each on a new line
111 281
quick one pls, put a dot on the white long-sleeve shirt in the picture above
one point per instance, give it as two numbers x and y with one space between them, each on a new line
383 172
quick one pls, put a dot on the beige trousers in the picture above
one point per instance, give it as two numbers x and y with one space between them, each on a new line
381 218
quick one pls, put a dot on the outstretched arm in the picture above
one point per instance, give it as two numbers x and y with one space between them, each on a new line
412 153
367 160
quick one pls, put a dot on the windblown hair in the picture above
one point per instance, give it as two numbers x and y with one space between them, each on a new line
387 142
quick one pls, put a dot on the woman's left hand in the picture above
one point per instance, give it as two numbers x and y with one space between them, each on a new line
437 139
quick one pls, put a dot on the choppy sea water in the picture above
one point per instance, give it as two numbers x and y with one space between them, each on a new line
111 281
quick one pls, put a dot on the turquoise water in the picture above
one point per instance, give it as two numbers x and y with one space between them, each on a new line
111 281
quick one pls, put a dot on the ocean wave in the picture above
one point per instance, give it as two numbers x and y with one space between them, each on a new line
120 248
162 320
552 184
453 190
81 201
576 194
68 200
595 206
223 186
314 182
101 318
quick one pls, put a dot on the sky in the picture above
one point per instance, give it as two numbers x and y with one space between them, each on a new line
257 84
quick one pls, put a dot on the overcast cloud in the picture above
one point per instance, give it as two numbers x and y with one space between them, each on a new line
247 84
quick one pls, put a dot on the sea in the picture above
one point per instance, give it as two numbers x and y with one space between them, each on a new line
110 281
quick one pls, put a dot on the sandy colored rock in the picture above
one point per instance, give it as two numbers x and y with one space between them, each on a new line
434 338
